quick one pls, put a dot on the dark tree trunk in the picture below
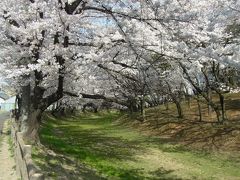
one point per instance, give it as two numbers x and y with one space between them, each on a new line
217 113
223 110
209 95
206 97
166 103
176 97
24 107
29 115
132 105
179 109
33 123
32 103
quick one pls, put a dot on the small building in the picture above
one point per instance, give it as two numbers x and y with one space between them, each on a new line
8 104
1 102
3 98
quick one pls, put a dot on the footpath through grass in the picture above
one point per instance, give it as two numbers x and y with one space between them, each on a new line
94 146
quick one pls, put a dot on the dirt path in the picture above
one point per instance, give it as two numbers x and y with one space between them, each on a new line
7 164
3 117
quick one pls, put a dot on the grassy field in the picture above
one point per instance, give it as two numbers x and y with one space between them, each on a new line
104 146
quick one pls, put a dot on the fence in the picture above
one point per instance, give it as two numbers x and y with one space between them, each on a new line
24 164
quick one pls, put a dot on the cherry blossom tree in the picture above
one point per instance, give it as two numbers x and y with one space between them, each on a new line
43 44
52 50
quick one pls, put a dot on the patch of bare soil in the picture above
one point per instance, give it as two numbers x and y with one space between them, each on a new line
7 164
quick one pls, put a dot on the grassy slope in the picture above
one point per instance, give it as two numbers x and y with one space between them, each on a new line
115 151
206 135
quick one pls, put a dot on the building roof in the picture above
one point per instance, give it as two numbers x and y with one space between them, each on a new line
3 95
11 100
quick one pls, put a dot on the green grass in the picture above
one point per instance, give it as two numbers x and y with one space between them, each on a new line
109 150
11 145
8 134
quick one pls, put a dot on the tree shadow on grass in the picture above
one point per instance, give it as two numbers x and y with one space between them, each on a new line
91 147
207 136
82 144
60 167
95 148
162 174
137 174
172 136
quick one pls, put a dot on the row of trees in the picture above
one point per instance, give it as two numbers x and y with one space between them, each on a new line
131 53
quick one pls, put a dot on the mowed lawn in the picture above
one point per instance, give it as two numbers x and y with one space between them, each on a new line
95 146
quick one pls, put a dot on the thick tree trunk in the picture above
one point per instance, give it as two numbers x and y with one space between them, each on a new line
132 105
29 122
30 115
33 103
30 132
24 107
